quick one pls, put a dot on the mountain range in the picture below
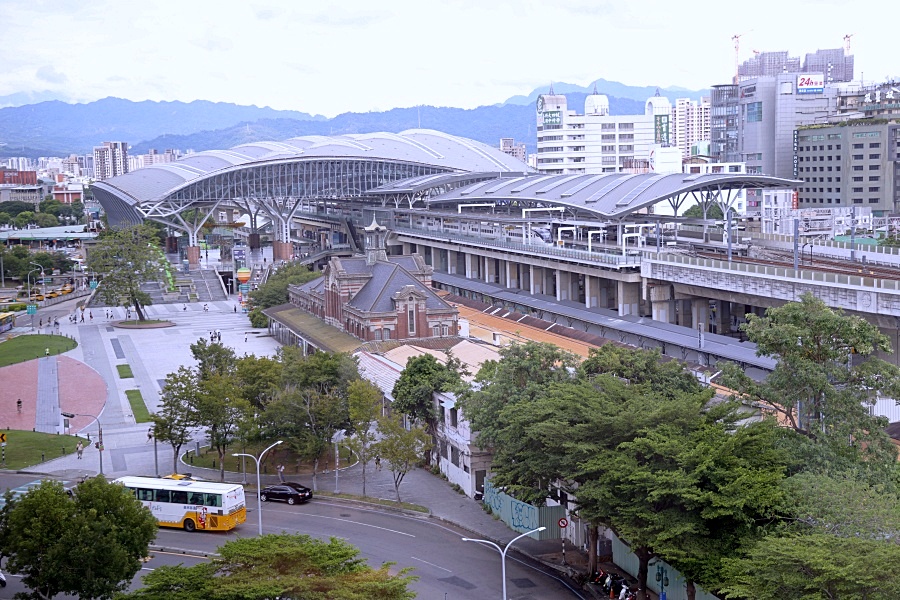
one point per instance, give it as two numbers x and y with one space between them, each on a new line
55 128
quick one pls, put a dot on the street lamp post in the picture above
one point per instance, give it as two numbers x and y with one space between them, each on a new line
336 439
663 578
503 552
43 279
258 486
69 415
28 279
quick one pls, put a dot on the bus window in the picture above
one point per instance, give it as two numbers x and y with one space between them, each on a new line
179 497
213 500
163 495
196 499
144 495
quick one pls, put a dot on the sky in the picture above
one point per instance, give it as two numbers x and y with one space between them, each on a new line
368 55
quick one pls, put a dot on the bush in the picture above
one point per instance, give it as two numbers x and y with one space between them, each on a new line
258 319
13 307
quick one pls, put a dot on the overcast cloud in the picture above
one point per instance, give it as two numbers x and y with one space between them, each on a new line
361 55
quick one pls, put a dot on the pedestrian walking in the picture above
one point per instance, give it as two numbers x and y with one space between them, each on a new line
19 405
235 308
82 316
149 435
245 337
92 316
280 469
79 449
41 323
377 463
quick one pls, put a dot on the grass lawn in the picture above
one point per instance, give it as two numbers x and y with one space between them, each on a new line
136 400
209 459
27 448
124 371
27 347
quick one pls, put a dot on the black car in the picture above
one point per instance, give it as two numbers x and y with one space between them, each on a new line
291 493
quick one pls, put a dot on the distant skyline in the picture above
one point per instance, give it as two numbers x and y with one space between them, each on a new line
357 56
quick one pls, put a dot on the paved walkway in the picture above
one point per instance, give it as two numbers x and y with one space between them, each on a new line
154 353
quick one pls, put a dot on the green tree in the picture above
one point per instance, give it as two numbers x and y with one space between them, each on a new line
414 390
51 206
274 291
126 258
825 377
258 377
400 448
816 566
89 546
177 415
24 218
714 211
77 210
213 358
289 566
45 220
5 218
364 402
221 411
14 207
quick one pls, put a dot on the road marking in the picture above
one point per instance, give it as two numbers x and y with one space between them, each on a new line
432 564
319 517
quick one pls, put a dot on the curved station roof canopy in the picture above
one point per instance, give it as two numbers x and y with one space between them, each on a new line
419 165
348 166
610 195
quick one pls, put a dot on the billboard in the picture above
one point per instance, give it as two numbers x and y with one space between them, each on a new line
661 129
550 117
810 83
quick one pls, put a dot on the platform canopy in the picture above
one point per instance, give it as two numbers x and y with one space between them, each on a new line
609 195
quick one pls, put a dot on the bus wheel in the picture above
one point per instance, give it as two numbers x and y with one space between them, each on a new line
189 525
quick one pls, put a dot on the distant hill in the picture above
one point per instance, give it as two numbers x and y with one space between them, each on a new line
611 89
58 129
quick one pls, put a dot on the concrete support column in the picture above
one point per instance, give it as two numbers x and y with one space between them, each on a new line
282 251
629 295
193 256
562 285
490 270
590 288
532 289
604 299
684 313
452 261
700 314
471 269
723 317
512 274
661 303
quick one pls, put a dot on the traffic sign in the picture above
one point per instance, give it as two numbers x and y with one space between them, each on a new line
31 309
2 437
563 523
93 284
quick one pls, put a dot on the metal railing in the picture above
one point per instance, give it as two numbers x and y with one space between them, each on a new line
531 249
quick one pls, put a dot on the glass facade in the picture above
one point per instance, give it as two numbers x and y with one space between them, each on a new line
723 123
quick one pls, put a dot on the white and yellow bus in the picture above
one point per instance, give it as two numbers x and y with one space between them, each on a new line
190 505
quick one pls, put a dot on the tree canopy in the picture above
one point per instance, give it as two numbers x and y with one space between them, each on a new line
88 546
126 258
292 567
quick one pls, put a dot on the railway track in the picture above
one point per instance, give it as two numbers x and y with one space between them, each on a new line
824 265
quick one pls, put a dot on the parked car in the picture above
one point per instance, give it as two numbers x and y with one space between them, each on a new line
292 493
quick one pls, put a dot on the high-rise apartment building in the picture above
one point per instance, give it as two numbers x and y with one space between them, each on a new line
834 64
595 141
110 159
690 123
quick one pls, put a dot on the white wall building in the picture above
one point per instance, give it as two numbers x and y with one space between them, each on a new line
110 159
595 141
690 123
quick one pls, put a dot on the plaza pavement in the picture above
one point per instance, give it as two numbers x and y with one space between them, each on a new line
154 353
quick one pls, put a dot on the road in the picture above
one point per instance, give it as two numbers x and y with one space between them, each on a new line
446 566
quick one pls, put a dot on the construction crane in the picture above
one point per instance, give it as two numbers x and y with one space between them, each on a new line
737 47
847 43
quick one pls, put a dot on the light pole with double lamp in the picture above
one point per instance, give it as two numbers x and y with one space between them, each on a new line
503 552
69 415
257 461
